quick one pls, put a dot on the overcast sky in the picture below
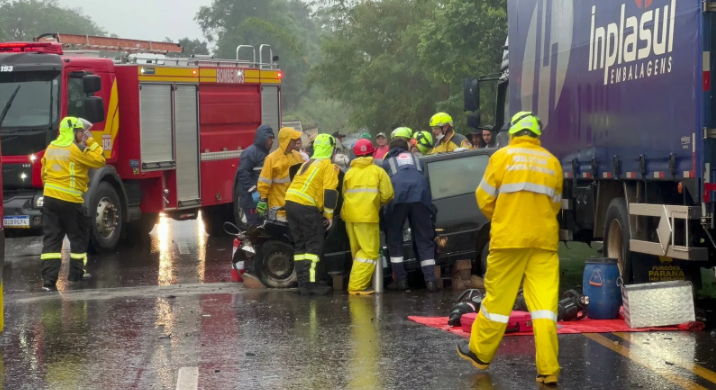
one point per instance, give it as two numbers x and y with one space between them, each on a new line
144 19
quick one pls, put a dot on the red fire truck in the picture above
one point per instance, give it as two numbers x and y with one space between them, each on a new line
172 129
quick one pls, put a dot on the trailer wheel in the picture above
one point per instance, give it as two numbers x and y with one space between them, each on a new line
617 235
274 265
105 217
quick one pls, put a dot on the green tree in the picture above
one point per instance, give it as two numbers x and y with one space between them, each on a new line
400 61
283 24
190 46
372 64
22 20
464 40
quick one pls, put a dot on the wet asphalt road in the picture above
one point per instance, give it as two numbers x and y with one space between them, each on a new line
158 315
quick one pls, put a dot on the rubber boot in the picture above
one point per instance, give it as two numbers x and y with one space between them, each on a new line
317 289
303 288
549 380
49 285
432 286
398 285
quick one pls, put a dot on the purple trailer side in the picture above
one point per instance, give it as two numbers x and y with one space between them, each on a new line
612 80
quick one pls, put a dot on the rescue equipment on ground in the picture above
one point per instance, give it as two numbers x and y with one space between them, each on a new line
468 302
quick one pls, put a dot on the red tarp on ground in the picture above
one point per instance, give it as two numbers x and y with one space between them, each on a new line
572 327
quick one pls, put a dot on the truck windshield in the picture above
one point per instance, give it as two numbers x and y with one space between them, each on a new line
28 126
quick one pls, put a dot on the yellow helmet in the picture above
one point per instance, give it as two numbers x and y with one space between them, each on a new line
323 146
402 132
440 119
423 140
525 120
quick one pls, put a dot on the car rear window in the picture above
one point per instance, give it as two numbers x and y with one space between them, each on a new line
455 177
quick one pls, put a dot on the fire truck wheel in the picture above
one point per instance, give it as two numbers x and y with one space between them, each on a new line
239 216
214 218
274 264
144 225
106 222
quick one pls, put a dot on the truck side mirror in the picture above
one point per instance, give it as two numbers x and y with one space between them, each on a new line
471 95
94 109
91 83
473 120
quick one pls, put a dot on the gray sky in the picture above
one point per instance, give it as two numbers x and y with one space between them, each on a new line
144 19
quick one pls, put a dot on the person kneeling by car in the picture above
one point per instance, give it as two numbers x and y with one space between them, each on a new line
366 187
312 197
412 202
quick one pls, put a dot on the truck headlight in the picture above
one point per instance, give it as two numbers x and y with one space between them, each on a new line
39 201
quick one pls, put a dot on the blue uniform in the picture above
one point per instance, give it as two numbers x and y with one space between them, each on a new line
412 202
251 163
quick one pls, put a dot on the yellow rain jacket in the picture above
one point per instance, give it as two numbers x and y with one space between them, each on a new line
521 193
448 145
274 178
65 166
309 184
366 187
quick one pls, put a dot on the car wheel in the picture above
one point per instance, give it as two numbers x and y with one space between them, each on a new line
274 265
483 258
105 218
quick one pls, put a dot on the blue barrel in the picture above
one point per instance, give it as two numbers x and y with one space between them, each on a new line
600 285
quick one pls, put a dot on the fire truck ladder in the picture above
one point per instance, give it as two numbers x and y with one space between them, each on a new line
211 61
88 42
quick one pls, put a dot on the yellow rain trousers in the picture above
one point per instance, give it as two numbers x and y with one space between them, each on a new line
365 245
521 194
506 269
366 187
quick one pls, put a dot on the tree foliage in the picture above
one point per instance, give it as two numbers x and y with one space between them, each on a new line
285 25
399 61
22 20
191 47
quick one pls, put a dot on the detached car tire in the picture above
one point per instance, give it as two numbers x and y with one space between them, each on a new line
105 219
274 265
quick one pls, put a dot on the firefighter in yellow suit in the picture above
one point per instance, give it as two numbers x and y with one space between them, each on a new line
521 194
275 178
310 202
65 176
366 187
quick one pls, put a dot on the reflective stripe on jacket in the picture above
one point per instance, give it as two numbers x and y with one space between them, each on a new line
409 183
65 170
309 184
366 187
521 193
448 145
274 178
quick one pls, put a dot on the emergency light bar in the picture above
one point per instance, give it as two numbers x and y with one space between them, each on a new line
31 47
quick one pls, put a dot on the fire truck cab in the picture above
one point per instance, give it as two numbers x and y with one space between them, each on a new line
172 129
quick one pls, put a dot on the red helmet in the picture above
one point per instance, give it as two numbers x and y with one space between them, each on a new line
363 147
